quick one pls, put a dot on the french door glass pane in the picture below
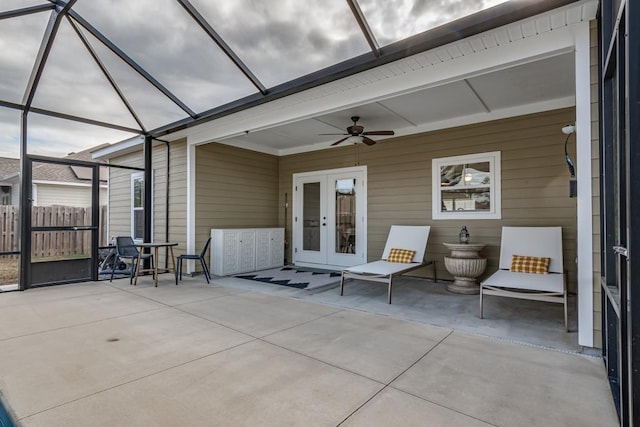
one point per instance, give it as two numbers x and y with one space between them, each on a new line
311 216
345 193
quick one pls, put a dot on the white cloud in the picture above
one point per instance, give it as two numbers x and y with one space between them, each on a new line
9 133
393 20
49 136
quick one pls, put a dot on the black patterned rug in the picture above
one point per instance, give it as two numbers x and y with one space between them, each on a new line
294 277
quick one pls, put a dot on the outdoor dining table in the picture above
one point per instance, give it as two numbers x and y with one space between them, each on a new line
155 246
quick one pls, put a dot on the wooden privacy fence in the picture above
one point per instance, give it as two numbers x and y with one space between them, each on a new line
58 244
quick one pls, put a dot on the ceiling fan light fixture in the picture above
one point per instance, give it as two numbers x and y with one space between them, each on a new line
356 134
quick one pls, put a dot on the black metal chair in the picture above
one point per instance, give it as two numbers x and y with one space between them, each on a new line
126 249
200 256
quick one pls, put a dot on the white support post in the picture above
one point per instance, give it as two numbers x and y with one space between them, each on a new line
584 178
191 205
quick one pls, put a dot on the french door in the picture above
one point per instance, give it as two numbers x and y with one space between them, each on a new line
329 221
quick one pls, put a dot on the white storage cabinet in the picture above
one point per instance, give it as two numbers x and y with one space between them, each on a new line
240 250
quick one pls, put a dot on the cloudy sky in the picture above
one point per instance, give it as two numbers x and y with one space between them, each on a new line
278 40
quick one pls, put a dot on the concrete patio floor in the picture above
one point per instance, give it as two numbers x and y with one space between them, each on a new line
237 352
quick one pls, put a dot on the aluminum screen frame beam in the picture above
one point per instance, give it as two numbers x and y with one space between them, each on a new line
364 27
106 73
131 63
43 53
202 22
26 11
36 110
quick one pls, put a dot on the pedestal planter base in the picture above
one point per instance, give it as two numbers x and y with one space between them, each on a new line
465 265
465 271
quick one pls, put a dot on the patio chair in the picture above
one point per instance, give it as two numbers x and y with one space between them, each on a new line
200 257
530 267
126 250
403 252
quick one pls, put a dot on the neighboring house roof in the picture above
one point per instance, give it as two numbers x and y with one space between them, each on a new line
53 172
8 167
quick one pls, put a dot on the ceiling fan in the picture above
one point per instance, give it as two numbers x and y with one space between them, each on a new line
357 130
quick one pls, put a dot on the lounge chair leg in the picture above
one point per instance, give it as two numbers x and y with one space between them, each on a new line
341 283
481 301
566 323
389 292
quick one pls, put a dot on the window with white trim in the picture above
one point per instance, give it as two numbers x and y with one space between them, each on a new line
137 206
467 187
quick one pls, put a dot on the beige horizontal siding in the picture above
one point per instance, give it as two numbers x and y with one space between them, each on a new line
534 182
235 188
120 194
67 195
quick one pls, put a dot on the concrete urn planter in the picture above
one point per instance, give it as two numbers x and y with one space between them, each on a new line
465 264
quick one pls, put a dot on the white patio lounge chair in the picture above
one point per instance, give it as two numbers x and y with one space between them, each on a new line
541 242
412 238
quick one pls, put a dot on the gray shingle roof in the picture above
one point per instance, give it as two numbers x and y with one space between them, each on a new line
8 167
51 172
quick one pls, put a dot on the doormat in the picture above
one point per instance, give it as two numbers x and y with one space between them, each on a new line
294 277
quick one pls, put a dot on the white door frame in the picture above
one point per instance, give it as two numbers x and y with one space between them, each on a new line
338 261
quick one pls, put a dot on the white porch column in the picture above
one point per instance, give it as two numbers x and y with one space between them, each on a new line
191 205
584 177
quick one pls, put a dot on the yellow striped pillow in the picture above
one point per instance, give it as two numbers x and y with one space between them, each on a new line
404 256
530 264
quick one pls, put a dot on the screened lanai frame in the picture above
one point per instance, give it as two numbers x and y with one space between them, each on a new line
375 55
362 18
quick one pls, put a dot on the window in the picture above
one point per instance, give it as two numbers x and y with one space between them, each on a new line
5 195
137 206
467 187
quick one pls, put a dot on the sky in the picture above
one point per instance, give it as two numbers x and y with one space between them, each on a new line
277 40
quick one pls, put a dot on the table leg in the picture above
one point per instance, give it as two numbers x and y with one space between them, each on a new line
173 262
155 264
135 281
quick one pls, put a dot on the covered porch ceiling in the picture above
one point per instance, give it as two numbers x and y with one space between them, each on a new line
542 84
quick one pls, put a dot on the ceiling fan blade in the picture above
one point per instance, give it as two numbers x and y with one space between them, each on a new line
379 132
368 141
339 141
334 134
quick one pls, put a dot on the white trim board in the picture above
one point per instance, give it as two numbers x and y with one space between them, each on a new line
585 196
